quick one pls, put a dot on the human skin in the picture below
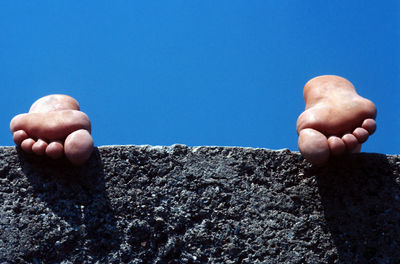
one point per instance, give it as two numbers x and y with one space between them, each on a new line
54 126
336 119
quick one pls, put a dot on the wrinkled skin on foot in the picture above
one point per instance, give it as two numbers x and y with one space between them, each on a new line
336 119
54 126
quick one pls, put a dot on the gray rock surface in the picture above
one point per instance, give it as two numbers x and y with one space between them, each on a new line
142 204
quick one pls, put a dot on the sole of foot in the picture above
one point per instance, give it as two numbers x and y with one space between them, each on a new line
52 129
336 120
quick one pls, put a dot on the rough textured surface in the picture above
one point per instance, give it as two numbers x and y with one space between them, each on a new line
141 204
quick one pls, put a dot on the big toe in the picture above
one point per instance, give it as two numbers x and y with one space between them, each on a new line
78 146
313 146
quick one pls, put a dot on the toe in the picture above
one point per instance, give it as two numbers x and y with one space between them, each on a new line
369 125
19 136
39 148
361 134
55 150
27 145
313 146
78 146
350 141
336 145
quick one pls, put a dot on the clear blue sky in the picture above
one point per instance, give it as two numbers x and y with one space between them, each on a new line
226 73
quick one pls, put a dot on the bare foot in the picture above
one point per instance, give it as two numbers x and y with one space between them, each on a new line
54 126
336 119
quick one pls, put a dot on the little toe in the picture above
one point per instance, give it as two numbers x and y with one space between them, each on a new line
27 145
369 125
19 136
78 146
336 145
55 150
361 134
313 146
350 141
39 147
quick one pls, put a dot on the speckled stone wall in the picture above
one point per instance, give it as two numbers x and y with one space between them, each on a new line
178 204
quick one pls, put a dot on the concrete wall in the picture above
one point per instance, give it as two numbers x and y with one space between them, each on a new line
141 204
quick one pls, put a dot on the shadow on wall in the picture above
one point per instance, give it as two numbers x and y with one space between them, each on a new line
74 199
361 201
